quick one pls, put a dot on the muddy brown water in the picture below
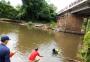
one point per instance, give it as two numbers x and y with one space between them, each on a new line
24 40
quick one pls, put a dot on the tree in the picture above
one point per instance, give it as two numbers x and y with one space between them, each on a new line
31 9
38 9
6 10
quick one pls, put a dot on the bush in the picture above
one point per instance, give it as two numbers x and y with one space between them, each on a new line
85 51
53 24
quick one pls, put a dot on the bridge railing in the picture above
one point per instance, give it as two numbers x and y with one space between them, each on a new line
73 4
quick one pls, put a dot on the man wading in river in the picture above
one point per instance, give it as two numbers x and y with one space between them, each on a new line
4 50
33 55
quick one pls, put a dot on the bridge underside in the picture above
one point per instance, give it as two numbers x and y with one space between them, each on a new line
85 12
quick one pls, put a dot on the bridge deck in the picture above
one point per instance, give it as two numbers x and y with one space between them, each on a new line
79 6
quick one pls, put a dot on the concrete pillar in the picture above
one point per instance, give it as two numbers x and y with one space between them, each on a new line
70 23
74 23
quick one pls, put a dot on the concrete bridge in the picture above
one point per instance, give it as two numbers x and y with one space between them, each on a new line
70 18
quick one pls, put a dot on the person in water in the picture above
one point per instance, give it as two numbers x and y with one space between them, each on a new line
33 55
55 51
4 50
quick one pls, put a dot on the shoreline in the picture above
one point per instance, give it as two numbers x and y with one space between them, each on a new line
42 26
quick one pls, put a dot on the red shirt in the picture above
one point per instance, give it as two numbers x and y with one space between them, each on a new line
33 55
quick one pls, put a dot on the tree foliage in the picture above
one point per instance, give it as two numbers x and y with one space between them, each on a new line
85 51
6 10
38 9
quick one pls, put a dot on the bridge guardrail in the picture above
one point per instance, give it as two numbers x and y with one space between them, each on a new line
77 2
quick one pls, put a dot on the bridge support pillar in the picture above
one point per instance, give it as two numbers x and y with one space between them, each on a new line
70 23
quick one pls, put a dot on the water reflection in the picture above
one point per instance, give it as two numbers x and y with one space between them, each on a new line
13 42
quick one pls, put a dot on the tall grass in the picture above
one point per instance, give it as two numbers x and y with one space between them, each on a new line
85 51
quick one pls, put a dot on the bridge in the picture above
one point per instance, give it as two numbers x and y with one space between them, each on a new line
70 18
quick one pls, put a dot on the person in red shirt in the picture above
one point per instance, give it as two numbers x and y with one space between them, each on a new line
33 55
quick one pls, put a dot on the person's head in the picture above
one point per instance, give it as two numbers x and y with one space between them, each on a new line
53 50
36 49
5 39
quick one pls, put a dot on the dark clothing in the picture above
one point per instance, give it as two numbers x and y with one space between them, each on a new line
54 51
4 53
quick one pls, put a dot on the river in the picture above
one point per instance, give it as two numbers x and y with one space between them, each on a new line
24 40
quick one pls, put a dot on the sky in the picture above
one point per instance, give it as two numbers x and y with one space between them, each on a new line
60 4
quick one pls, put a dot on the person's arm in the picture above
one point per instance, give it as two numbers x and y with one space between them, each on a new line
7 56
12 53
39 55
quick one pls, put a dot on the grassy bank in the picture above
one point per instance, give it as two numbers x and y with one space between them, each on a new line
85 50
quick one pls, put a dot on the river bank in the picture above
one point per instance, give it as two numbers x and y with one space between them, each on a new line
42 26
51 26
